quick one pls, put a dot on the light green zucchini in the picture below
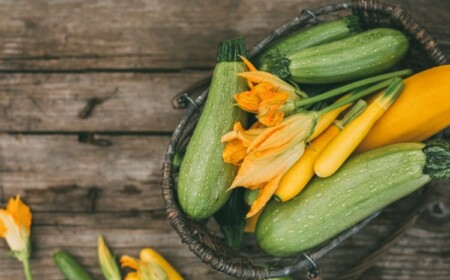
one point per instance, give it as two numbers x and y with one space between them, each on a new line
362 55
362 186
204 177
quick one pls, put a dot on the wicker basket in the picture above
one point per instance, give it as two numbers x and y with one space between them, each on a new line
253 264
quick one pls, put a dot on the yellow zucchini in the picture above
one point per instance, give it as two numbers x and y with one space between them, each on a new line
422 110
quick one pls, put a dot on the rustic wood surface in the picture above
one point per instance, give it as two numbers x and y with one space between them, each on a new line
86 176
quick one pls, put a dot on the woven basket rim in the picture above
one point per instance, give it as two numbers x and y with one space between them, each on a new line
179 220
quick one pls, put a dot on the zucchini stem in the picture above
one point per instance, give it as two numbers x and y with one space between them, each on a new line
438 159
351 86
356 96
231 50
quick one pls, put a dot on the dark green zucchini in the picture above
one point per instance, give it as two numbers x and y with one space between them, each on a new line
312 36
362 55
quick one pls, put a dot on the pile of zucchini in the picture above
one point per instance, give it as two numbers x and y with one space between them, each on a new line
326 54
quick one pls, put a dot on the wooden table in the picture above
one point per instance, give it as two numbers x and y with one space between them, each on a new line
100 174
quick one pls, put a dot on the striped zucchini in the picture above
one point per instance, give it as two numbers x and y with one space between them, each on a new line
362 55
319 34
204 177
363 185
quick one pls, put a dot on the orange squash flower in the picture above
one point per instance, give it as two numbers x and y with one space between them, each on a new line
238 141
266 97
263 100
270 153
272 147
249 100
269 112
150 266
15 228
15 224
143 270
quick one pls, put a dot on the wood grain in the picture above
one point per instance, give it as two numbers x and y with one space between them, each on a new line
129 209
145 34
133 56
125 234
58 173
423 249
135 102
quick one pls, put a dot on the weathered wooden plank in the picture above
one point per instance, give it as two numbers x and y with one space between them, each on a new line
126 234
146 34
129 102
55 172
58 173
423 249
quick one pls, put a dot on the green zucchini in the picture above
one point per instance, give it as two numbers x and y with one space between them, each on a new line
204 177
305 38
231 218
71 269
363 185
362 55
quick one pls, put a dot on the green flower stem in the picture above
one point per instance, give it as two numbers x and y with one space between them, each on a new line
298 91
351 86
27 269
356 96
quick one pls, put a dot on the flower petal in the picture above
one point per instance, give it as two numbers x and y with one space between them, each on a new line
264 91
270 151
247 101
237 142
290 131
250 67
3 228
279 84
132 276
264 195
246 136
247 62
268 111
250 100
151 271
234 152
127 261
258 170
16 236
20 212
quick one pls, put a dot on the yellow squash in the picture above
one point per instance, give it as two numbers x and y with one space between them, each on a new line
422 110
302 171
343 145
298 176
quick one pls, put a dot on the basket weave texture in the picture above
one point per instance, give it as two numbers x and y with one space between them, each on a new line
211 249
